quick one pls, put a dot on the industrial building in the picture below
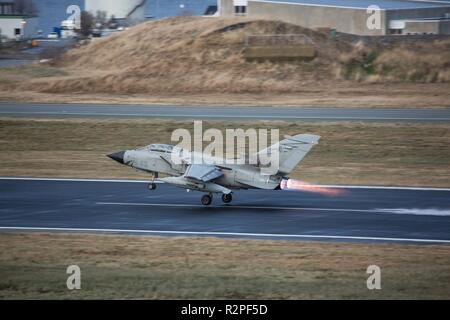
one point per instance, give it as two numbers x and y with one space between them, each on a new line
126 12
15 25
349 16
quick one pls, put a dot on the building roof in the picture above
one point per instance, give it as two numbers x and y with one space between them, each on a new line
16 16
12 16
364 4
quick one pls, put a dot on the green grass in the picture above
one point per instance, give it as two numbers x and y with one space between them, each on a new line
22 72
354 153
33 266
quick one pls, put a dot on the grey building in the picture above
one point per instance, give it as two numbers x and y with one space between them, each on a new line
361 17
16 25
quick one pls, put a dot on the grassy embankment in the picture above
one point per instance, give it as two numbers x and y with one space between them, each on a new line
348 153
195 60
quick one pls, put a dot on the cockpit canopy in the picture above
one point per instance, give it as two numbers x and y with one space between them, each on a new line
159 147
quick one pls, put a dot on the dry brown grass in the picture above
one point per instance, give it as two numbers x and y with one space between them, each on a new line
353 95
194 56
33 266
348 153
185 55
425 62
415 64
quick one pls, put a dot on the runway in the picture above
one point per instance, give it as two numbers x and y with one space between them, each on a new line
222 113
364 214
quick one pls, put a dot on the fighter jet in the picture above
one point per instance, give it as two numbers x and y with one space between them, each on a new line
216 176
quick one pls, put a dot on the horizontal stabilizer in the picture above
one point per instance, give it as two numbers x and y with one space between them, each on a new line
292 150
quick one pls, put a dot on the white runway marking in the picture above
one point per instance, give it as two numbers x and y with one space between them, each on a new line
231 116
147 181
228 206
420 212
77 179
238 234
423 212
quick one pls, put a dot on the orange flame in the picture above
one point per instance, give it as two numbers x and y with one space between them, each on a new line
292 184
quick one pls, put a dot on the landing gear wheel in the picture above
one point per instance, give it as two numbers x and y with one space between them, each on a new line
226 198
206 200
151 186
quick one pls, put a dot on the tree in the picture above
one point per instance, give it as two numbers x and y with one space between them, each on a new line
112 23
86 23
101 18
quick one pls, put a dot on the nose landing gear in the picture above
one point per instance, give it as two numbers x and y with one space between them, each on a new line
152 184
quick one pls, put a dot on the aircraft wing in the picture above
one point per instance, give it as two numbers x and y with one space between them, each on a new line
202 172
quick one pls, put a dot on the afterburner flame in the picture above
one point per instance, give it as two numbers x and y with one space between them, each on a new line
292 184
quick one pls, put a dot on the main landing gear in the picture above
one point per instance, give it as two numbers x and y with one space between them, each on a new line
226 198
207 198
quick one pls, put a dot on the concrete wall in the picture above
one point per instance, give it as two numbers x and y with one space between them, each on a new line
346 20
421 27
120 9
27 30
280 53
226 8
399 14
444 27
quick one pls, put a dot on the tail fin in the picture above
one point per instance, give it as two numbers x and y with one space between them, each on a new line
292 150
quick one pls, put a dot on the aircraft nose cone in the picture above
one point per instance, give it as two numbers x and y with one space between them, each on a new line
118 156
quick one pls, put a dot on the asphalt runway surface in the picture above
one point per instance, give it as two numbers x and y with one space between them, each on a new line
222 113
363 214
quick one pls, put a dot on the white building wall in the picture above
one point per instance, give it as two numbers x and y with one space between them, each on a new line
28 30
119 8
226 8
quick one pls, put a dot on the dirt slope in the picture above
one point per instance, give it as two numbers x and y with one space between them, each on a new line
189 56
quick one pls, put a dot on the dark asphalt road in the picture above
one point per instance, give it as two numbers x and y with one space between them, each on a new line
363 215
222 113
